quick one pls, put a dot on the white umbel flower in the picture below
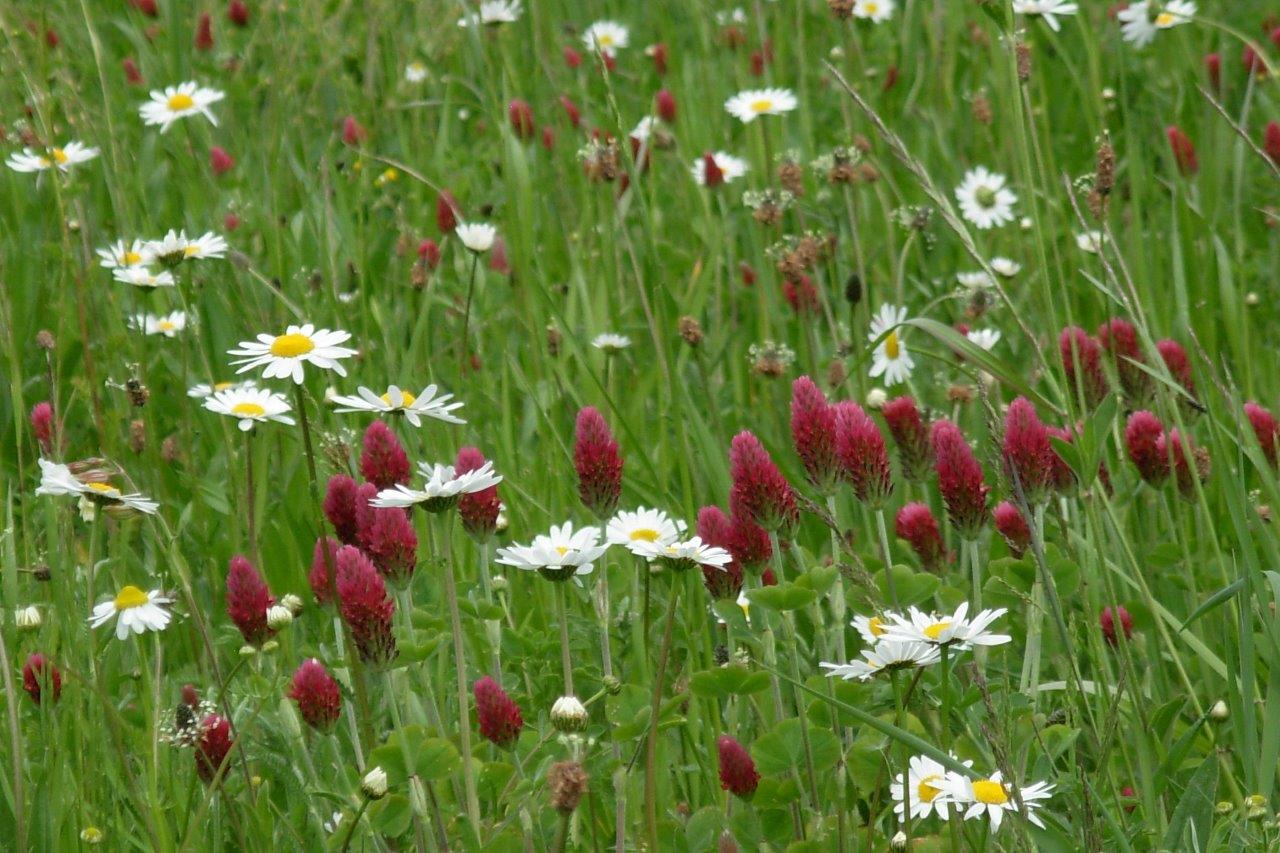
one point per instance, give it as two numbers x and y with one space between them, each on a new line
731 168
160 324
885 656
608 37
177 102
414 407
992 797
748 105
984 199
890 358
1049 10
476 236
57 479
946 629
559 555
135 612
250 406
442 488
1141 21
492 13
634 528
60 158
283 356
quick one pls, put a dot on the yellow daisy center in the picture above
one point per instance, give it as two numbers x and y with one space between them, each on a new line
131 597
1164 19
166 325
181 101
891 346
222 386
102 488
875 625
872 8
131 258
935 630
404 404
644 534
292 345
604 40
761 105
926 792
989 792
561 550
248 410
59 155
188 251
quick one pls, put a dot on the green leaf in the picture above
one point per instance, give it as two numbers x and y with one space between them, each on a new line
390 816
1192 820
783 596
703 828
779 749
409 752
911 587
819 579
731 680
1222 596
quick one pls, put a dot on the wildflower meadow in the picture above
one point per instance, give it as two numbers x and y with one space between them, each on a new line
690 425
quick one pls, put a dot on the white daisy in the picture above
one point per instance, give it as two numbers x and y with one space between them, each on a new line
1047 9
176 102
610 343
121 254
993 797
1006 267
890 359
204 390
975 280
644 128
442 488
737 16
1090 241
416 72
135 612
926 788
985 338
871 628
730 167
748 105
284 355
476 236
885 656
251 406
559 555
685 555
874 11
633 528
605 36
175 247
414 407
984 199
160 324
57 479
1140 21
953 629
143 277
492 13
62 159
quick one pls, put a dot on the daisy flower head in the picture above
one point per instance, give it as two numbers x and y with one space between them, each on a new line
1090 241
885 656
443 486
414 407
890 359
685 555
635 528
124 255
1141 21
251 406
135 612
492 13
57 479
731 168
160 324
975 280
872 628
1047 9
175 247
874 11
985 338
746 106
62 159
559 555
953 629
143 277
607 37
284 355
416 72
203 390
1006 267
926 789
992 797
984 199
476 236
177 102
610 343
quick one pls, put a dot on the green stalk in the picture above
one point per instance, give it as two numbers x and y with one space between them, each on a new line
460 670
651 740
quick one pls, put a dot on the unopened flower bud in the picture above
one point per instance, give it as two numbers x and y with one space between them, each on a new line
374 784
293 602
1219 711
27 617
612 685
278 616
569 715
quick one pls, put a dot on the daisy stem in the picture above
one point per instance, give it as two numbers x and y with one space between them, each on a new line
647 615
969 554
250 496
95 542
466 314
492 627
562 616
899 714
882 531
351 830
460 667
953 828
651 742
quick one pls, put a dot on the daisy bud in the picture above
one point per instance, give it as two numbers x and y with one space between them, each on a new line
27 618
1082 364
572 58
374 784
658 53
596 459
1219 711
875 399
204 33
341 506
318 577
1013 528
352 132
365 606
1027 454
388 538
478 510
864 461
899 840
40 675
499 716
1271 141
220 161
1144 439
132 75
1175 359
738 773
571 110
1184 150
712 174
238 13
567 782
1119 338
383 461
569 715
910 435
447 212
279 617
213 746
959 479
813 430
248 600
520 114
1266 428
664 104
1213 68
1107 620
42 426
759 493
317 695
916 525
